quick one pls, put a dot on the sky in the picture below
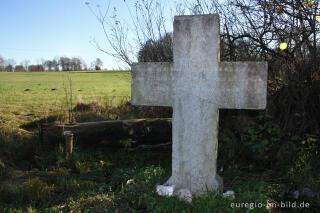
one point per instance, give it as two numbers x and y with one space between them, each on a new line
36 29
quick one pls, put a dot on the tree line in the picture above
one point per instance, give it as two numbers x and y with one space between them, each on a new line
57 64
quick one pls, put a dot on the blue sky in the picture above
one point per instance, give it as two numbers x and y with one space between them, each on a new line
35 29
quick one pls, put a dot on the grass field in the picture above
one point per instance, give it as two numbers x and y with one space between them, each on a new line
33 95
47 89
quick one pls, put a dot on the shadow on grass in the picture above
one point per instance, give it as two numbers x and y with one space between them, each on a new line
36 123
97 111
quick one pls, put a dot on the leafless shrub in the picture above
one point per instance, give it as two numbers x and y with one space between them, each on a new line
147 23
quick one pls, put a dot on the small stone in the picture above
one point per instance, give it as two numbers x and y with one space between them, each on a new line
62 206
184 194
221 169
129 182
165 190
67 133
229 194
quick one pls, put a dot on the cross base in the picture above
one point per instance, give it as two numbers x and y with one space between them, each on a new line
196 186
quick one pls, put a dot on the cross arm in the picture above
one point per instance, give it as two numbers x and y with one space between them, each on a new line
151 84
243 85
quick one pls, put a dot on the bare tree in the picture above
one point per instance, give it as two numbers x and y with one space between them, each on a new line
10 61
98 64
263 25
36 68
9 68
76 64
9 65
65 63
19 68
83 64
55 64
2 64
147 22
48 64
25 63
257 28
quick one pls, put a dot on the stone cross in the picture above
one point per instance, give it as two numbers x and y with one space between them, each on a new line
197 85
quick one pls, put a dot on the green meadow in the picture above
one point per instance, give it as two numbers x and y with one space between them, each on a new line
29 91
34 95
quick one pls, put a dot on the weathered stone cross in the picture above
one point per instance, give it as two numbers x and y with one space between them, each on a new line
197 85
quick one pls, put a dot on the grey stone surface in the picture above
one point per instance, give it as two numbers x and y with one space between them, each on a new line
151 84
229 194
165 190
184 194
197 85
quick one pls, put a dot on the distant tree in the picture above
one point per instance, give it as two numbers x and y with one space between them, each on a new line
55 65
25 63
48 64
84 67
98 64
36 68
9 68
19 68
62 63
2 64
65 63
76 64
92 65
84 64
10 61
9 65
